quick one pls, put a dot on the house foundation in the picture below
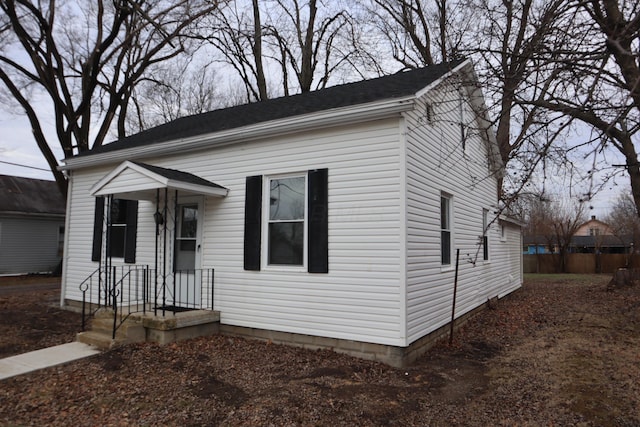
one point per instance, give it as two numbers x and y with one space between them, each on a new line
398 357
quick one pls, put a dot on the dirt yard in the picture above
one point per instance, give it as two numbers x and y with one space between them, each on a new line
561 351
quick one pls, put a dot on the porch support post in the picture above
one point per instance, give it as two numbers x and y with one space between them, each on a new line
176 214
164 254
155 268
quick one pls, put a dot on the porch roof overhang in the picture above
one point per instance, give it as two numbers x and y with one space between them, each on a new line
139 181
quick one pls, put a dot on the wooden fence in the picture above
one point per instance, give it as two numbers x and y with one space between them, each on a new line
579 263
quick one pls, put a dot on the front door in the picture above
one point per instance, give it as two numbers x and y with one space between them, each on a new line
187 254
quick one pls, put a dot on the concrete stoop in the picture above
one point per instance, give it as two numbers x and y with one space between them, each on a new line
149 328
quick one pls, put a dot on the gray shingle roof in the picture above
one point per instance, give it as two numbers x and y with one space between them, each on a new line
177 175
388 87
31 196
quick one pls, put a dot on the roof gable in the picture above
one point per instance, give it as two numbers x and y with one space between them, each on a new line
398 85
30 196
139 181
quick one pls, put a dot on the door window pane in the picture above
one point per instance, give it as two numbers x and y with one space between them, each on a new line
185 245
189 222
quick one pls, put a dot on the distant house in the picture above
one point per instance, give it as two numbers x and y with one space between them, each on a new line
593 236
594 227
32 218
329 219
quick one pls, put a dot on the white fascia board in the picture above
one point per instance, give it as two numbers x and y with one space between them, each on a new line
95 190
441 79
323 119
197 189
510 220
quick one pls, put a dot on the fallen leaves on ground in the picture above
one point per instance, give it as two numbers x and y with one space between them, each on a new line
556 352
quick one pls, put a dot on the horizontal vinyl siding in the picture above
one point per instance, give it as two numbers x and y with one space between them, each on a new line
29 244
436 162
358 299
128 180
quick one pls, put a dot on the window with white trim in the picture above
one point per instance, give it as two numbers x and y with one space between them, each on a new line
272 217
118 228
445 229
286 220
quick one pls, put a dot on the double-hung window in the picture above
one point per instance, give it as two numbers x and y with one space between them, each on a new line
286 222
445 229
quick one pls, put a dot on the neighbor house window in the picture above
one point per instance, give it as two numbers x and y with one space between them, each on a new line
445 229
60 241
286 222
485 237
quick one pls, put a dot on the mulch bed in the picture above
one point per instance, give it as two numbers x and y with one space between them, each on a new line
560 351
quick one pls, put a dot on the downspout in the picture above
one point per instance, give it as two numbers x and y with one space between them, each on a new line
65 248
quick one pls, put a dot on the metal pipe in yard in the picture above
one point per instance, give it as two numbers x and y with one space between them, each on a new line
455 291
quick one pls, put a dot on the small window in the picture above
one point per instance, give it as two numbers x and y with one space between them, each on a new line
118 221
485 237
445 229
429 114
121 217
286 229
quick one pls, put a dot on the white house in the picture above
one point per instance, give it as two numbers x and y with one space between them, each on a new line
326 219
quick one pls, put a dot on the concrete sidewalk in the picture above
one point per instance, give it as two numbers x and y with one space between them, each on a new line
44 358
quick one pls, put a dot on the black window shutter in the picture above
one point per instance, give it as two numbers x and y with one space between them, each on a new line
252 222
130 232
98 214
318 223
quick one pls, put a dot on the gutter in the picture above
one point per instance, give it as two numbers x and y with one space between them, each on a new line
334 117
33 214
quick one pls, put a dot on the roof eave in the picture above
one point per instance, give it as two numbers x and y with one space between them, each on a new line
334 117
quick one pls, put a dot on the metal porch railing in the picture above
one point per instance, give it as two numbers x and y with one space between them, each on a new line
130 289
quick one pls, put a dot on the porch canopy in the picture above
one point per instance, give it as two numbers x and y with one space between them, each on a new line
139 181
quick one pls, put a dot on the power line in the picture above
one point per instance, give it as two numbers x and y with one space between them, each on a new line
25 166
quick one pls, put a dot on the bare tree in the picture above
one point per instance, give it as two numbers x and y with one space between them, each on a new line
566 218
85 59
624 221
174 89
237 34
311 41
420 32
596 79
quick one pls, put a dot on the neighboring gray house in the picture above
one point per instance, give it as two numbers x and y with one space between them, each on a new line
327 219
31 225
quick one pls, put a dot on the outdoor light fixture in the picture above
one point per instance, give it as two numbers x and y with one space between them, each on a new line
158 218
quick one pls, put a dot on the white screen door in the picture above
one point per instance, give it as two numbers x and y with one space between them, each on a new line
187 253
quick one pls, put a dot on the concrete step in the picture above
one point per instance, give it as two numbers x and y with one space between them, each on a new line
132 330
99 340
